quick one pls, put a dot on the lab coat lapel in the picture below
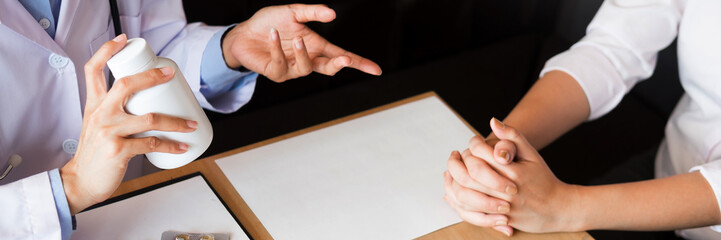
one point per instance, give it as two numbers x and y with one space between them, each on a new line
14 16
65 20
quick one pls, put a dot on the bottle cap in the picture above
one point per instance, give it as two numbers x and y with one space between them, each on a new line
135 57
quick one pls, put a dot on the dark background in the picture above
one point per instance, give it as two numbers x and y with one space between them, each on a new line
479 56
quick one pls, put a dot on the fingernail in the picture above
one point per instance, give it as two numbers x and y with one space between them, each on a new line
510 189
506 231
299 43
183 146
499 123
192 124
273 34
504 209
501 223
119 38
166 71
504 155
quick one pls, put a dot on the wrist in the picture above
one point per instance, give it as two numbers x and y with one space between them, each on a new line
226 44
72 194
572 208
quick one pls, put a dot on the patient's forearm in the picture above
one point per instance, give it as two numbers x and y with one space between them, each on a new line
677 202
555 104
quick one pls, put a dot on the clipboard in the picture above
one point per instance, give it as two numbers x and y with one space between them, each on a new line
186 204
371 176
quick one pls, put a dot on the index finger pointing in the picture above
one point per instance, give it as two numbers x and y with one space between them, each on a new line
357 62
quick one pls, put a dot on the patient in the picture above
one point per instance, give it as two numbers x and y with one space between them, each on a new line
502 181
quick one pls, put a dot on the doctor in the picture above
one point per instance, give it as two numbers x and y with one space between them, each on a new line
72 132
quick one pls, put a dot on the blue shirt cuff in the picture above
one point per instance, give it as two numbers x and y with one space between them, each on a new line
61 204
216 78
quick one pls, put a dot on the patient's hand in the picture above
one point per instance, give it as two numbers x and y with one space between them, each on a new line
542 203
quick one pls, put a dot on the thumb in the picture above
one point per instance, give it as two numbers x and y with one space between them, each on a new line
308 13
524 149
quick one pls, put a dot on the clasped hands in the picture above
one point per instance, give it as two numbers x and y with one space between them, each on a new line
505 184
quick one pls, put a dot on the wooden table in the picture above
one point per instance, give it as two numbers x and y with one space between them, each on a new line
215 177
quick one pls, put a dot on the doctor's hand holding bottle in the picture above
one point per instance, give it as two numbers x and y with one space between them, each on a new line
105 145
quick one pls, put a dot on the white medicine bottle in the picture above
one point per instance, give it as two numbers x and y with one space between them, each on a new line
173 98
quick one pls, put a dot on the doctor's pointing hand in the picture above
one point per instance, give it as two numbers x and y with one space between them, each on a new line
276 43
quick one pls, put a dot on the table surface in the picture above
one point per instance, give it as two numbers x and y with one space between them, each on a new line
240 209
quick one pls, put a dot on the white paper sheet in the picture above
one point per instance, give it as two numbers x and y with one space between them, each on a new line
188 206
375 177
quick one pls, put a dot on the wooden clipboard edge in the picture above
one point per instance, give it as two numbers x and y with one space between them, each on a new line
217 180
464 230
163 180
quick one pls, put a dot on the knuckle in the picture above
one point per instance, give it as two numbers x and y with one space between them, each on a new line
490 206
475 149
280 62
474 140
466 154
494 183
150 119
153 143
513 133
513 176
464 181
95 119
477 176
116 148
105 133
89 67
477 169
305 69
121 83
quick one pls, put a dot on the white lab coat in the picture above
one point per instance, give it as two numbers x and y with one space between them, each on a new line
42 91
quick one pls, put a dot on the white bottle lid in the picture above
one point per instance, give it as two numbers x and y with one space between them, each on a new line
135 57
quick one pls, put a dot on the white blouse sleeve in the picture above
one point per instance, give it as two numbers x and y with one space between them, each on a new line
619 49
